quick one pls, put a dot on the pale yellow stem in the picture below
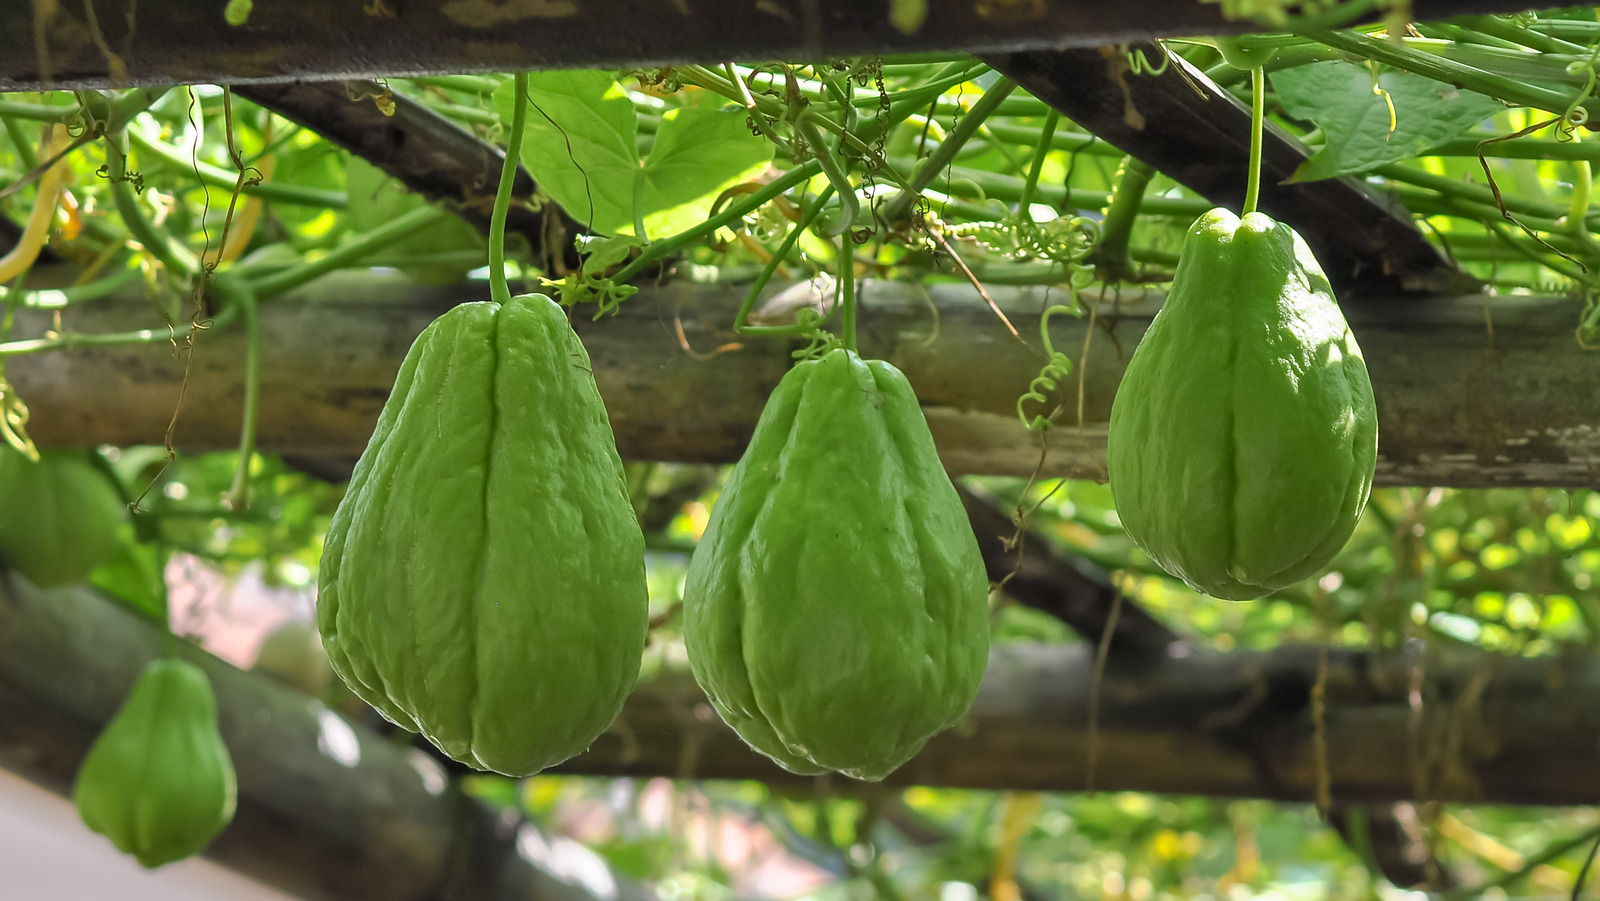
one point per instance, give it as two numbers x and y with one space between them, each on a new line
44 207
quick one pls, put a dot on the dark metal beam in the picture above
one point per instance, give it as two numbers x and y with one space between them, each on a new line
1183 125
182 41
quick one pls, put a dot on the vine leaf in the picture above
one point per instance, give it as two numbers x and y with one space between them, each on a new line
698 154
581 146
376 199
1362 130
601 254
133 578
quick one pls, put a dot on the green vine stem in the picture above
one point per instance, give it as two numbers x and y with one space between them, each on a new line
178 259
1116 229
1258 94
279 192
846 280
1423 191
1509 31
1046 132
1409 59
68 341
941 157
1577 216
903 104
57 298
741 319
238 294
499 291
20 142
34 112
776 110
658 250
838 178
1050 377
270 286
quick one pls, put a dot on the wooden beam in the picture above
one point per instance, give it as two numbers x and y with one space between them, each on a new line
1487 729
1186 127
110 43
1072 590
1471 391
323 823
328 811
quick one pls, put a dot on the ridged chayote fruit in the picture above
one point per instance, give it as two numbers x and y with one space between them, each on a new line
483 579
60 517
1243 436
836 608
158 780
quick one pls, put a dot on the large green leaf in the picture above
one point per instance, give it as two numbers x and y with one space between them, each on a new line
1339 97
135 578
579 144
698 153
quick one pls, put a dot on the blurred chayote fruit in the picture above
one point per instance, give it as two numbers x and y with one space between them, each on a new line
158 780
60 517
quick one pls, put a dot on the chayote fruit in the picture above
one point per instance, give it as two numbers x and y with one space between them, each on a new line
158 781
835 610
483 579
1243 436
60 517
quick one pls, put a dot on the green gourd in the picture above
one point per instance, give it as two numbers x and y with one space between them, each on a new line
835 610
60 517
158 780
483 581
1244 435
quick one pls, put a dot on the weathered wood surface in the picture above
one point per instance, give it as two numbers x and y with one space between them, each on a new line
1491 730
327 811
105 43
324 824
1471 391
1184 126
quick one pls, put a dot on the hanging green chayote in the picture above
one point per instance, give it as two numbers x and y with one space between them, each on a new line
158 780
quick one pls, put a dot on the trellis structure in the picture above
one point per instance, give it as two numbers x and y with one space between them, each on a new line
1460 406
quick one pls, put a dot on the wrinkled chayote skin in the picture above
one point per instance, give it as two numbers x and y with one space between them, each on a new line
1243 436
835 610
158 780
60 517
482 581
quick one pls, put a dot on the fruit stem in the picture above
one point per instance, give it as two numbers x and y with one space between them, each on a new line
742 318
238 292
1046 133
847 290
1258 93
499 291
